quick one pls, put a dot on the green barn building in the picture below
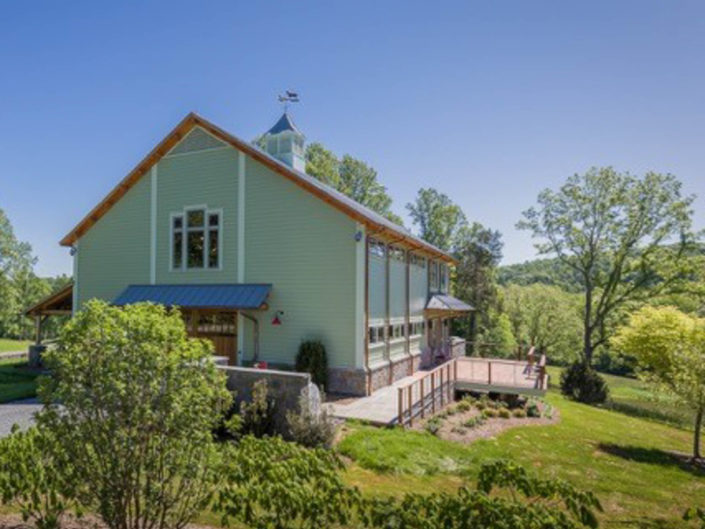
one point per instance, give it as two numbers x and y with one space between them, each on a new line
260 256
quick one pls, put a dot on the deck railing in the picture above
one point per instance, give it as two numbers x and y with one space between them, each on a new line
425 394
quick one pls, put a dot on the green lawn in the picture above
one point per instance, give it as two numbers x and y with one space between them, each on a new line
16 380
8 345
635 397
625 460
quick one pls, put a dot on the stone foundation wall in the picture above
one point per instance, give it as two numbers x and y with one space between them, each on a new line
348 381
401 369
285 387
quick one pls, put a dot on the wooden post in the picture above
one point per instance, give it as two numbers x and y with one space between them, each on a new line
423 406
455 369
489 373
38 329
450 384
433 392
411 406
440 387
400 402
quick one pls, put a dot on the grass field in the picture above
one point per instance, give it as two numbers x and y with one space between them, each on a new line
627 461
16 381
7 345
634 397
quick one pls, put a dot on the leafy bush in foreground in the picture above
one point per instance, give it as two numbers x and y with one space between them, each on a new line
132 403
271 483
531 503
583 384
32 468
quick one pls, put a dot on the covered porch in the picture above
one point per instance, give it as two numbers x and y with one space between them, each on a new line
209 311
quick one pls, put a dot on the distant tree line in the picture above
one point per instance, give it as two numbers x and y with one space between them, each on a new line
20 287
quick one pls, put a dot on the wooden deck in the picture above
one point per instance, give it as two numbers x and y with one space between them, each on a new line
426 392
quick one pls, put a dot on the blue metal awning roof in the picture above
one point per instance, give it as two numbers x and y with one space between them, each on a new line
228 296
444 302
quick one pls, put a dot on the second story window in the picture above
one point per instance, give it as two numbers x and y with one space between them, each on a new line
433 280
195 239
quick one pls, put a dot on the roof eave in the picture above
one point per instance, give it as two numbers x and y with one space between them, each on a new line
192 120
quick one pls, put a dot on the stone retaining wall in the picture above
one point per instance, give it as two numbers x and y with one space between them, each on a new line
285 387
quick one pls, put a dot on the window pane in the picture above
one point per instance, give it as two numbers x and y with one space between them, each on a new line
195 218
177 250
213 219
194 250
178 223
213 249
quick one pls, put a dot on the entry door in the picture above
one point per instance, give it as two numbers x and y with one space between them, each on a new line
218 327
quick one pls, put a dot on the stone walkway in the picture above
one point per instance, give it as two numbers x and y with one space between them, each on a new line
380 408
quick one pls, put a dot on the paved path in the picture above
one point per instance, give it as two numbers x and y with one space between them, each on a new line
20 412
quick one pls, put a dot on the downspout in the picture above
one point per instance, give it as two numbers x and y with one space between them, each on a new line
407 323
255 321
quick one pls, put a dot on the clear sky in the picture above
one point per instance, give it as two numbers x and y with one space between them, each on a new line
487 101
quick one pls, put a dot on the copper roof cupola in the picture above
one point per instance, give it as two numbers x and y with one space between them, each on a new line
286 143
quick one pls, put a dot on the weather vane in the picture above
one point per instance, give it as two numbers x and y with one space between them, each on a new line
288 97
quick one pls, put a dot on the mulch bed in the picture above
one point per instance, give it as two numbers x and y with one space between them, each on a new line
452 428
14 521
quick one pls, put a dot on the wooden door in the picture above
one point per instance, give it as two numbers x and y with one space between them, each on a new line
218 327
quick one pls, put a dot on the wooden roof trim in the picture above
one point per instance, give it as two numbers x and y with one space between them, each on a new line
49 300
189 122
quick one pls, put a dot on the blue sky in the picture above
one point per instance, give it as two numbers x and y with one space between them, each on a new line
489 102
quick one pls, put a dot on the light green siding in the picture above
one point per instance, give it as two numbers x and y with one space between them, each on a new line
115 251
397 348
306 249
207 178
377 287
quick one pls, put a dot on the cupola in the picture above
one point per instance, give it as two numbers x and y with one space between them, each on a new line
286 143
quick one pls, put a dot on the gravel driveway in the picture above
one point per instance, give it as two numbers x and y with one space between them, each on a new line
20 412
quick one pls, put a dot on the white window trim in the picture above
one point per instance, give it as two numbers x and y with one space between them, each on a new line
184 239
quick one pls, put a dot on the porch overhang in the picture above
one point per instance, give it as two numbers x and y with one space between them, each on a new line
446 306
234 296
57 303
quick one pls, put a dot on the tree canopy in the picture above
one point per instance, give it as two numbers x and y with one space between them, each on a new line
670 350
352 177
437 218
612 230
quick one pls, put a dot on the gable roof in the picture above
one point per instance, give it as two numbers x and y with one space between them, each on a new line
376 223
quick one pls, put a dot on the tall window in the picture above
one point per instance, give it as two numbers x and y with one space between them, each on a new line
195 239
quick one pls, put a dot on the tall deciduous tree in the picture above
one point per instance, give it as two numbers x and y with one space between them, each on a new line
545 317
612 229
669 346
478 251
352 177
438 219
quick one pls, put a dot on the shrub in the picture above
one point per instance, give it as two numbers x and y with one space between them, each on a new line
433 426
308 428
504 413
270 483
489 413
32 472
580 382
459 430
474 421
481 404
312 358
521 501
132 403
464 406
258 414
532 409
519 413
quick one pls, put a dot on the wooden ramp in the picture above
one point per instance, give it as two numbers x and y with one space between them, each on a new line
426 394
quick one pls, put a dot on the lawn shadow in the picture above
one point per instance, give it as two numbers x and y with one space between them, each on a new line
654 456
